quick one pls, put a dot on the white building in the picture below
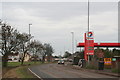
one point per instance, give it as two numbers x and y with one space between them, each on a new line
14 57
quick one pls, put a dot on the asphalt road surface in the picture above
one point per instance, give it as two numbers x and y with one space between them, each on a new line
61 71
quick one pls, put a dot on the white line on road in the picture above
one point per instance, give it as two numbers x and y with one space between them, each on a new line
34 74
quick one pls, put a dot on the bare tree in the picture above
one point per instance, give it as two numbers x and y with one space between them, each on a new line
48 51
14 41
9 42
36 48
24 39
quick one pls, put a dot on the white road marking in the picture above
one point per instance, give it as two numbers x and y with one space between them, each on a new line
34 74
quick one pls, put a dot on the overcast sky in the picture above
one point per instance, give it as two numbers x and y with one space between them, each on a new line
53 22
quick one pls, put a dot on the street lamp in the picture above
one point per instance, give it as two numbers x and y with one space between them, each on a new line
72 42
29 36
29 33
29 28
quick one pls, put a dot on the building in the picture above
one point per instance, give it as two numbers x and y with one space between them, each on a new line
49 58
14 57
26 58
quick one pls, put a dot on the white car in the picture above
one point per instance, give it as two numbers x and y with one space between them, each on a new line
61 62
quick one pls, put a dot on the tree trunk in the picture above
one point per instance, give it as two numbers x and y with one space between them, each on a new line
49 59
4 60
23 58
43 59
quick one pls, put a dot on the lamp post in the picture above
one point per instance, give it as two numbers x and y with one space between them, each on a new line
29 36
29 28
75 45
72 42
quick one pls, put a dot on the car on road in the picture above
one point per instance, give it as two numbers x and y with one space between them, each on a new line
61 62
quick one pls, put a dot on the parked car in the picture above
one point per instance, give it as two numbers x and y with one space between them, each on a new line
70 60
61 62
82 63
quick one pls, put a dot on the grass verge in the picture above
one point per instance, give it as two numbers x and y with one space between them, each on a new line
16 70
116 70
23 72
91 67
14 64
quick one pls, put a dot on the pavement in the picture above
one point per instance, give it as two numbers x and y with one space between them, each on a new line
105 72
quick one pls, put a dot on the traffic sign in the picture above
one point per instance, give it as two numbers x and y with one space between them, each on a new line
113 59
107 61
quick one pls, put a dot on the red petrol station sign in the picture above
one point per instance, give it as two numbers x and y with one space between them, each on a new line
89 44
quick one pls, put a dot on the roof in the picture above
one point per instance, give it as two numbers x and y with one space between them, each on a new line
14 54
101 45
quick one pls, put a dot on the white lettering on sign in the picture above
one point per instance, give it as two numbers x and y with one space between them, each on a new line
89 53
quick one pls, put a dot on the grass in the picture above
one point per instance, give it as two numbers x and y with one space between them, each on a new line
91 67
14 64
20 71
116 70
23 72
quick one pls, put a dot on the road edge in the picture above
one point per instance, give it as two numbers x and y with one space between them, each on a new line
35 74
99 72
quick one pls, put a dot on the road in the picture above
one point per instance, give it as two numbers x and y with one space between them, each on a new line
62 71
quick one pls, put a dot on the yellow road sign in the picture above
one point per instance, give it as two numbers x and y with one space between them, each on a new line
107 61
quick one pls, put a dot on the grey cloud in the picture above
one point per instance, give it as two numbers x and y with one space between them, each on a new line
60 10
53 22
